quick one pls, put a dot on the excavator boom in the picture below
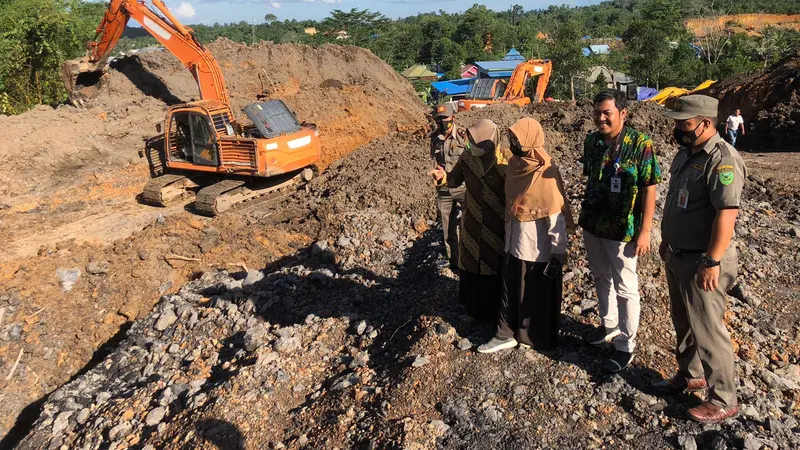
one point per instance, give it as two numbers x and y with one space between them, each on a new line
84 77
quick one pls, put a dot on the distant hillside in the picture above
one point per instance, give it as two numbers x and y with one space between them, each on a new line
751 24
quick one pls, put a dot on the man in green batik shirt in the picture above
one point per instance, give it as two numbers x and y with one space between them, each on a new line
616 217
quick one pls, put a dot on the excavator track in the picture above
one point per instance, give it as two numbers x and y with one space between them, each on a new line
223 195
161 190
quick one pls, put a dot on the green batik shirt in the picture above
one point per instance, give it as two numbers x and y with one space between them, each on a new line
615 213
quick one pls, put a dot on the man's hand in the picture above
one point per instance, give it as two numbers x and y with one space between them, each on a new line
643 243
707 278
560 257
662 250
437 173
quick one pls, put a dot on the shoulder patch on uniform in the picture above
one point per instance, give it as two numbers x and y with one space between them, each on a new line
724 148
725 168
726 178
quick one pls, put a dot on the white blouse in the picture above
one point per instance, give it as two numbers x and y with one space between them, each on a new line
536 241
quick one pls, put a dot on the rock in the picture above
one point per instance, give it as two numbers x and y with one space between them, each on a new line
253 277
165 320
319 247
83 416
343 242
420 361
155 416
790 376
287 344
61 422
255 337
464 344
794 231
440 426
361 327
98 267
15 331
321 275
687 442
719 443
68 278
102 398
751 443
119 431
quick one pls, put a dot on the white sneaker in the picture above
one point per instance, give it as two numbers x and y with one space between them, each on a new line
495 345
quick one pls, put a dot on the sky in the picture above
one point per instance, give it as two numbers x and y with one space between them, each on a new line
226 11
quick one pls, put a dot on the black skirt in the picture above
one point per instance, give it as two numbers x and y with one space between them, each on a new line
481 295
530 304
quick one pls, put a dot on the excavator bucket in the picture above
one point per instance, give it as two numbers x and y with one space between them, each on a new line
82 78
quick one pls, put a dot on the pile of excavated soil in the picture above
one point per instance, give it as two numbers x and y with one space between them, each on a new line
348 92
356 340
770 103
75 172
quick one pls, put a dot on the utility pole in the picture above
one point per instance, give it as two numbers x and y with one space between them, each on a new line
253 31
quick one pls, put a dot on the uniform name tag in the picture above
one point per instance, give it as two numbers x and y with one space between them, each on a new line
683 198
616 185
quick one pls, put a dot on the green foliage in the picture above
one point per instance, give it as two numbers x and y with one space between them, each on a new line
36 36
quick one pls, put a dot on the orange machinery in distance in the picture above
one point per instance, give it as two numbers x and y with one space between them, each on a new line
487 91
202 144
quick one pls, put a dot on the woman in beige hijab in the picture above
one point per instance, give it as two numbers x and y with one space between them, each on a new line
482 169
537 217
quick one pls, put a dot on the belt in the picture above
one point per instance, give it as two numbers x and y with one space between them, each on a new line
683 251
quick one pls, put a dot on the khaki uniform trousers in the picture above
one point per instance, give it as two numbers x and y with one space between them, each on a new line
704 348
449 207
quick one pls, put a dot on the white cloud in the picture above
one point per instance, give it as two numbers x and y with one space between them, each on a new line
185 10
275 5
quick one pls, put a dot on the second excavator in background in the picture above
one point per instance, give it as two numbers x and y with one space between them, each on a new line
202 144
486 91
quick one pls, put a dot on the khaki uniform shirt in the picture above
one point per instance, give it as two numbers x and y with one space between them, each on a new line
446 150
699 186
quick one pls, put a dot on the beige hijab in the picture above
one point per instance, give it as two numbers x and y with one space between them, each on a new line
484 137
534 188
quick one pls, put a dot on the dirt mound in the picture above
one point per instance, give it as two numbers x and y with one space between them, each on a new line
46 147
770 102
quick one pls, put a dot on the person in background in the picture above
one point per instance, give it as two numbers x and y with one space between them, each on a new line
733 125
482 169
616 217
447 144
705 192
537 217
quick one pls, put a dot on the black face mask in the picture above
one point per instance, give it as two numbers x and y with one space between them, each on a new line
686 138
517 150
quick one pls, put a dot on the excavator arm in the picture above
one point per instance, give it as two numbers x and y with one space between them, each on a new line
519 79
83 77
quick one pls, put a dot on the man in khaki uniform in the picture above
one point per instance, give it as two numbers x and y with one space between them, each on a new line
705 189
447 144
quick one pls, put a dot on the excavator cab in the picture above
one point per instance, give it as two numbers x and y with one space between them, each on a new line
192 139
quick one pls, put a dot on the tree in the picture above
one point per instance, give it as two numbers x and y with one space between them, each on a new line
648 53
269 18
566 50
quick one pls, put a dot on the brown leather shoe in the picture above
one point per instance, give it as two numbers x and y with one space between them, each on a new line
679 384
711 413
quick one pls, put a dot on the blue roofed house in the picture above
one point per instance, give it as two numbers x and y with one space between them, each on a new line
513 55
600 49
496 69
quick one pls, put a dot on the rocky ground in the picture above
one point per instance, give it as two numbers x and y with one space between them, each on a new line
350 337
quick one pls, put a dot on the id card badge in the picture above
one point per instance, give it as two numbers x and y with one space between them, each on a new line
616 185
683 198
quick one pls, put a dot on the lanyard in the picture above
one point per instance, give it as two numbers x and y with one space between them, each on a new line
616 153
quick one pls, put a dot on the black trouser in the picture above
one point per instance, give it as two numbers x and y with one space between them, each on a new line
531 304
481 295
449 207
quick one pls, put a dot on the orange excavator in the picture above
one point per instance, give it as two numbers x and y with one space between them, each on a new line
487 91
202 144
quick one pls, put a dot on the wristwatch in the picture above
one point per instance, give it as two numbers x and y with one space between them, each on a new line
708 261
